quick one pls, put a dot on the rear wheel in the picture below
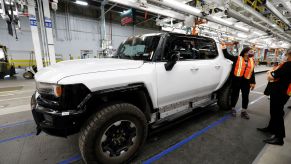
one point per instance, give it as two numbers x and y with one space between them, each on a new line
113 135
12 71
224 97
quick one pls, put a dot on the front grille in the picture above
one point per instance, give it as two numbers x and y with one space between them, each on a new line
74 95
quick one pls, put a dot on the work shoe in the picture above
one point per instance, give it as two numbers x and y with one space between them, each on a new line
233 113
265 130
245 115
275 141
270 139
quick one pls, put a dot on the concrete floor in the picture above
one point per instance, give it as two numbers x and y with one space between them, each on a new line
228 141
271 154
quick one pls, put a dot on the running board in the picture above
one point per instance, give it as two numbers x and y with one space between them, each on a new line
171 118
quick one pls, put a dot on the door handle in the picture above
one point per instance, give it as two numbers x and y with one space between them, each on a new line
217 66
194 69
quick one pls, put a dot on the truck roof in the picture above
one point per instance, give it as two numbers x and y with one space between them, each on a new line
171 33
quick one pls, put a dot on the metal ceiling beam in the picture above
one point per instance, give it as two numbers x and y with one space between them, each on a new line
111 7
257 15
179 6
151 8
247 20
273 9
286 4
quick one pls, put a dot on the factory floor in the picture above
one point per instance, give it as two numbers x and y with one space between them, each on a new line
211 137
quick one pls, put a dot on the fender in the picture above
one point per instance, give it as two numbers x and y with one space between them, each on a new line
137 90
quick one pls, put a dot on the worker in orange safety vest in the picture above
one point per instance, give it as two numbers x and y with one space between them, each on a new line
280 93
243 78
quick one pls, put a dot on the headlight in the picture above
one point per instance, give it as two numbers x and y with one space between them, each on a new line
49 89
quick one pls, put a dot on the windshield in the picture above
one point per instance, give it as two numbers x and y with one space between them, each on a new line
138 48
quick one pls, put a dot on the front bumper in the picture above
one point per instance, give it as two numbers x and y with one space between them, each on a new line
54 122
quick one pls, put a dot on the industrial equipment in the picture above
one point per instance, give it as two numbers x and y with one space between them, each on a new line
6 68
31 70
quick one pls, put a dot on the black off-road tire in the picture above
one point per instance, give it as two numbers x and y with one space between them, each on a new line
12 71
90 139
2 75
224 97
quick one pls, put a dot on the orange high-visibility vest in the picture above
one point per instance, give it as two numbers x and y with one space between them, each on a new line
289 90
241 70
289 87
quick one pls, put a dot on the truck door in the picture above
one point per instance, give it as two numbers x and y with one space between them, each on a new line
196 74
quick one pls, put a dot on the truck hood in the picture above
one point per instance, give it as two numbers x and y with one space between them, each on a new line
58 71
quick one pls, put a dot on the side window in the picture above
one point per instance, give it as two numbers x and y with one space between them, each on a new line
190 48
185 46
2 56
206 48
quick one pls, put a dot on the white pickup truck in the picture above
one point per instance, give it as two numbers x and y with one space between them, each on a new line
113 102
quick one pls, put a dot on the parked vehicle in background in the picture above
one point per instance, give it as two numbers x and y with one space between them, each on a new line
112 102
31 70
6 68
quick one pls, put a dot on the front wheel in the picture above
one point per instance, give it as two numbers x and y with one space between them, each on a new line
113 135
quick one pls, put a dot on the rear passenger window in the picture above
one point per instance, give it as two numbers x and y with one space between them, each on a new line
190 48
206 48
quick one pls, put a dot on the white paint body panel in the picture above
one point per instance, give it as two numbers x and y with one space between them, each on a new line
164 87
186 80
58 71
226 66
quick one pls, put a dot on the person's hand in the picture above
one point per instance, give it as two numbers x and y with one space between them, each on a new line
223 45
252 86
269 76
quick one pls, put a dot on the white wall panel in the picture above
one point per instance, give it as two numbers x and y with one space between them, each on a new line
84 34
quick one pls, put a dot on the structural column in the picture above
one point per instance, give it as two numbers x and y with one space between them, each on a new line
103 26
49 31
35 34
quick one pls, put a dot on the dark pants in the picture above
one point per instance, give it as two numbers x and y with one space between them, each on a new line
244 86
276 124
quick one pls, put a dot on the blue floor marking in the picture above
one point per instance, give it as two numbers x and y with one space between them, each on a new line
71 159
17 137
16 124
186 140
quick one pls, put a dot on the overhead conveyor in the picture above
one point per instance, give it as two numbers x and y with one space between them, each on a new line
180 10
273 28
182 7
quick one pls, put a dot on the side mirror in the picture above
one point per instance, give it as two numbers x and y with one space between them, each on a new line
175 56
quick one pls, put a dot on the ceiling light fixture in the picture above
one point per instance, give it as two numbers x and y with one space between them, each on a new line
241 27
222 20
174 30
83 3
257 33
242 35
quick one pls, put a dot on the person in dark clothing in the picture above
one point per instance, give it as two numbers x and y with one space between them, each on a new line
243 78
279 95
